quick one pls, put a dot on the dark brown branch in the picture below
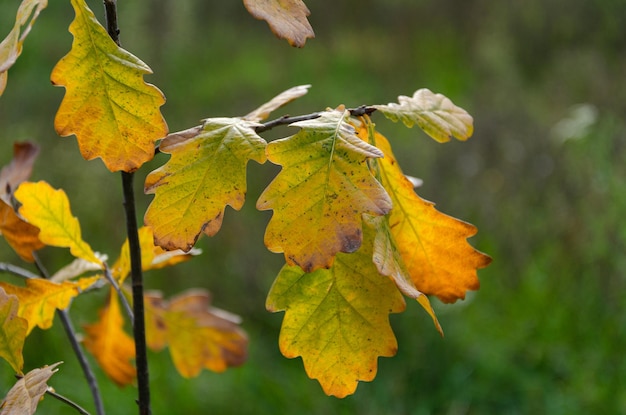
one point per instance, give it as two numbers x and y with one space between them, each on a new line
139 324
110 10
67 402
286 119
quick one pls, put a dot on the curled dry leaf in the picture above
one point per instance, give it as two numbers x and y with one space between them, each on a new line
286 18
433 113
27 392
278 101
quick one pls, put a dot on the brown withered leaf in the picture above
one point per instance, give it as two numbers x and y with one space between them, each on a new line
286 18
18 170
24 396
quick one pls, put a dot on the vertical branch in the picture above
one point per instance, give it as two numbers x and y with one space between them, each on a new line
139 325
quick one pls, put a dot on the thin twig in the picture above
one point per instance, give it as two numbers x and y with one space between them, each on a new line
110 10
67 401
139 327
20 272
120 293
64 316
286 119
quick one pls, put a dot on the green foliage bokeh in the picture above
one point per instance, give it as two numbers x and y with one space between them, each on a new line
543 179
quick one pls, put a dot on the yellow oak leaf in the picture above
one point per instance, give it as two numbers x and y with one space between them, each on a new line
337 319
111 346
433 246
321 192
113 113
152 257
12 331
22 236
11 46
198 335
287 18
49 210
40 298
206 172
433 113
25 395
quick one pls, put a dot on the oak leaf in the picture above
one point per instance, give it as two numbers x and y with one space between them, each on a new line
25 395
287 18
206 172
152 257
12 331
433 113
49 210
198 335
278 101
433 246
337 319
11 46
321 192
21 236
40 298
111 346
18 170
388 260
113 113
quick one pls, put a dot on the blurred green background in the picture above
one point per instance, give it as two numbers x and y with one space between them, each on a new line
543 179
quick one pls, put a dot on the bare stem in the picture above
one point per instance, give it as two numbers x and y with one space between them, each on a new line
139 326
20 272
120 293
287 119
67 401
64 316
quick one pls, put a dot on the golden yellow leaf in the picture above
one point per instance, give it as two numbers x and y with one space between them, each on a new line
49 210
321 192
389 262
113 113
433 113
286 18
433 246
12 331
28 391
40 298
11 46
337 319
198 335
111 346
206 172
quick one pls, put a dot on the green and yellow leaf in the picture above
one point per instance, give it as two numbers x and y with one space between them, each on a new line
321 192
199 336
49 210
337 319
12 331
433 113
287 18
111 346
11 46
113 113
25 395
39 299
206 172
433 246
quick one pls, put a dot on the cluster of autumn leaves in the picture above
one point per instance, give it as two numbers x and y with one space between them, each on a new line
355 235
